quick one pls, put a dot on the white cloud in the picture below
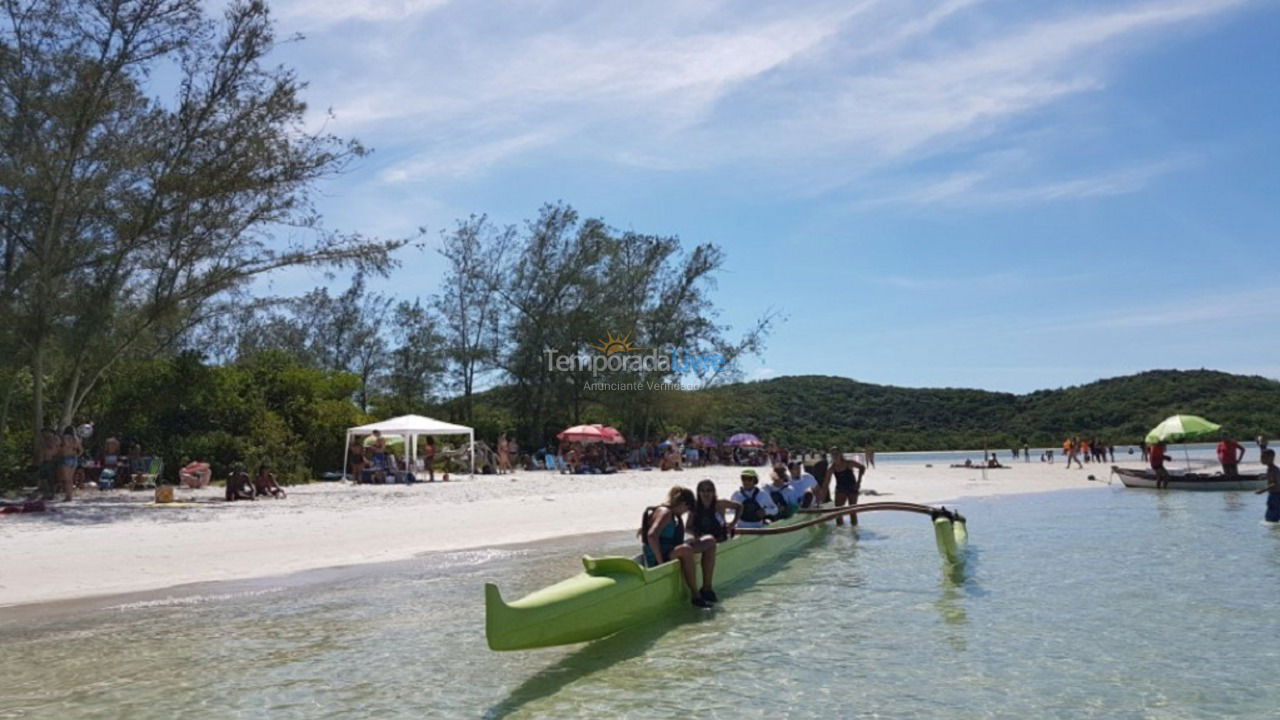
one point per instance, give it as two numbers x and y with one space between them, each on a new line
1001 186
824 89
312 13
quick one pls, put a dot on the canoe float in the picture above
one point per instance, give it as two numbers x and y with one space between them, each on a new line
1191 481
614 593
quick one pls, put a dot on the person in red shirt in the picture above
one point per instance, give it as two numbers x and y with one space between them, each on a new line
1158 453
1230 453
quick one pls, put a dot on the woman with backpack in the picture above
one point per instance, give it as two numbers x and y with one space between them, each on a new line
662 534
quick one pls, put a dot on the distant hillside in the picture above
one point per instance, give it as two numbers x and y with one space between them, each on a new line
820 410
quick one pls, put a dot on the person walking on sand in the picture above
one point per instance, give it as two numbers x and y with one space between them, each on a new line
1073 445
1230 453
869 454
1273 486
1026 452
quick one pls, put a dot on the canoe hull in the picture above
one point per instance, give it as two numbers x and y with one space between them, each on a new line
614 593
1191 481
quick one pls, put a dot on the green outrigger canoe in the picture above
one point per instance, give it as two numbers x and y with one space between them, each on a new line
614 593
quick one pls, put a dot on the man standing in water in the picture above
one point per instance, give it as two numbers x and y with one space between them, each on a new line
1230 453
1158 454
1273 486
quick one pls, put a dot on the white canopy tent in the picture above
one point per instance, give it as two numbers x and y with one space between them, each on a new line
411 427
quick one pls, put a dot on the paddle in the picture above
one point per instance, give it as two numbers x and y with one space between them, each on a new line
1269 488
831 514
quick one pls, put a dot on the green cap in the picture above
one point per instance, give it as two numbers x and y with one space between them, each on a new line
749 473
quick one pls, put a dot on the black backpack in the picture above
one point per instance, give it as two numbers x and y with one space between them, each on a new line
784 507
751 510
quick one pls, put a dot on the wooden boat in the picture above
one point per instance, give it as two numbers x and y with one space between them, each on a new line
1191 481
613 593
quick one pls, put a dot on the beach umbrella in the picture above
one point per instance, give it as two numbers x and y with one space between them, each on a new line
1183 428
583 433
611 435
705 440
744 440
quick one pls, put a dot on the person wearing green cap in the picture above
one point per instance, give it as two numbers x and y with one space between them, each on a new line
756 504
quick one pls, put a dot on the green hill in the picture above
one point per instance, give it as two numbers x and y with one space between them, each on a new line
820 410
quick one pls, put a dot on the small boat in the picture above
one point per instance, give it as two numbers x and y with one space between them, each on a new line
1192 481
613 593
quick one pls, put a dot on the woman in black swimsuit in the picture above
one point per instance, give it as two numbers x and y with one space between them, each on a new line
847 481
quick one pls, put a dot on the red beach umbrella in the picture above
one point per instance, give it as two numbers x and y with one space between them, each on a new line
583 433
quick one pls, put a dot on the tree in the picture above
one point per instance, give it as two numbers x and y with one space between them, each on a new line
125 217
470 303
416 362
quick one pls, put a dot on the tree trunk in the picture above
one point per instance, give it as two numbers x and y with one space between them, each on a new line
37 395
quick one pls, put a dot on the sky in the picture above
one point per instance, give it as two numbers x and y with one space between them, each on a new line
963 193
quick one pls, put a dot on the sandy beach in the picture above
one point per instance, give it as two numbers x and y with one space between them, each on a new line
112 542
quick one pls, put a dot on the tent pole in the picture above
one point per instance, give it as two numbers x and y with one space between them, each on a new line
346 446
472 435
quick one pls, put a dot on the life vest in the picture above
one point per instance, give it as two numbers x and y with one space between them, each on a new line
705 521
751 510
780 501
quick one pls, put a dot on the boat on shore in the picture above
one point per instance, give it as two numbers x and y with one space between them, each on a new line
614 593
1192 481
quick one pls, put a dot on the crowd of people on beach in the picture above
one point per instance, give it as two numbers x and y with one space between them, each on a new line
688 525
67 463
372 461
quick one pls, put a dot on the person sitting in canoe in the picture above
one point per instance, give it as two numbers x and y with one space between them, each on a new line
780 492
804 484
707 517
756 504
662 531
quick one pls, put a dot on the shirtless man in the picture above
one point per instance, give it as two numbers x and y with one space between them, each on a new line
264 483
49 448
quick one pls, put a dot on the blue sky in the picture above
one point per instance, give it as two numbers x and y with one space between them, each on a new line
995 194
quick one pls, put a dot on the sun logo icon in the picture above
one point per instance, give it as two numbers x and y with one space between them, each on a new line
611 344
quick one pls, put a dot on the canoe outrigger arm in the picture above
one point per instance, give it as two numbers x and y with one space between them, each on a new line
613 593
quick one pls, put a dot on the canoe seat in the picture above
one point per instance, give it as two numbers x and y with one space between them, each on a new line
612 565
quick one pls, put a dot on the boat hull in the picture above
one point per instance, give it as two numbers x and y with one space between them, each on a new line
614 593
1191 481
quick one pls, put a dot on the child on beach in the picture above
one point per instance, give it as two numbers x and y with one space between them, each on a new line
1273 486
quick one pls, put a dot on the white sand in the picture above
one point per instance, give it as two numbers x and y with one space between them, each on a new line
107 543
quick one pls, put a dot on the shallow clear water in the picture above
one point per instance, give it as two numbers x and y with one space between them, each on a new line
1195 453
1105 603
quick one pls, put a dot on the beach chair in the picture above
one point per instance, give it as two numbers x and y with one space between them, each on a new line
148 473
550 461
